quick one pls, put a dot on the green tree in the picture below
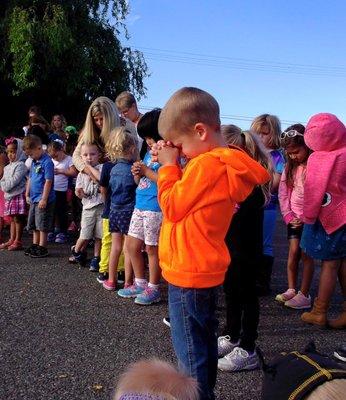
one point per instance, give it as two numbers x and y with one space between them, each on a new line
61 54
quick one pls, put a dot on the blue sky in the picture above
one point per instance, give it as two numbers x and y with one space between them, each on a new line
282 57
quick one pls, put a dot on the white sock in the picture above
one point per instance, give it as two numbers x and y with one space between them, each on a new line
141 282
152 286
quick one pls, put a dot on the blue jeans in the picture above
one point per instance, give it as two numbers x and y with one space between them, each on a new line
194 334
269 222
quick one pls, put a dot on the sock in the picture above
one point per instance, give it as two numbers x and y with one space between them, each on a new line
152 286
141 282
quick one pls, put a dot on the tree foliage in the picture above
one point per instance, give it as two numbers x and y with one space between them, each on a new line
61 54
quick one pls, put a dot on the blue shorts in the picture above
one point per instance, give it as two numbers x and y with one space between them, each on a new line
119 221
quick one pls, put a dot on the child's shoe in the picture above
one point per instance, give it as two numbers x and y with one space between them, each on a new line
73 227
148 296
238 360
29 250
51 237
6 245
225 346
39 252
131 291
94 264
299 302
102 276
77 257
340 353
108 285
288 295
167 321
16 245
61 238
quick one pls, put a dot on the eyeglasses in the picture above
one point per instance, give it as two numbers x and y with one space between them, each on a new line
290 134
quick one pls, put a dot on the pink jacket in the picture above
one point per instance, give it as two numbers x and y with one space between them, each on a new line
325 184
291 199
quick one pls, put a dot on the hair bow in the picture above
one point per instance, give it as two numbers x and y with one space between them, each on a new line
10 140
59 141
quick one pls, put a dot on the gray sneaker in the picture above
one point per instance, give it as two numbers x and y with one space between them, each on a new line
225 346
238 360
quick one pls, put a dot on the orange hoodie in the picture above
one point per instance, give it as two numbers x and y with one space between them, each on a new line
197 207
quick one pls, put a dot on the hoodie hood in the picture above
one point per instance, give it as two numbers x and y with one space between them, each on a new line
20 156
243 172
325 132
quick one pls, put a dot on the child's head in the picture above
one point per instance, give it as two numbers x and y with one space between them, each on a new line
155 380
14 149
122 144
191 121
102 117
297 152
147 127
253 146
32 146
34 111
268 127
90 154
58 123
325 132
127 106
56 149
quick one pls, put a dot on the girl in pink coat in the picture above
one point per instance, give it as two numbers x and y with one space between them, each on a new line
324 212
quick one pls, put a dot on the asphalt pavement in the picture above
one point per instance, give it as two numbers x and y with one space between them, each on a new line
64 337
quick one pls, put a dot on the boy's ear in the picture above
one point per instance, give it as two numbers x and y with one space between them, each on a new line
201 130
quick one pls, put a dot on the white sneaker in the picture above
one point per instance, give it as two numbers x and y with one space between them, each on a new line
225 346
238 360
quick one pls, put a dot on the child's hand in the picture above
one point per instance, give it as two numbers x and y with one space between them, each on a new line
42 204
168 155
58 171
80 193
136 168
296 223
28 201
156 147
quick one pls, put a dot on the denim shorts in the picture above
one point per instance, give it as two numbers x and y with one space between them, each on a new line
41 219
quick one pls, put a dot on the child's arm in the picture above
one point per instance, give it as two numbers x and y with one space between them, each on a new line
149 173
285 199
27 191
94 173
46 190
71 171
79 192
103 191
12 181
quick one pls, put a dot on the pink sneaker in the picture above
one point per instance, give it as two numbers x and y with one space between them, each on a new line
299 302
288 295
109 285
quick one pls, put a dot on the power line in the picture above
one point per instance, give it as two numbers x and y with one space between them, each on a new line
244 118
242 64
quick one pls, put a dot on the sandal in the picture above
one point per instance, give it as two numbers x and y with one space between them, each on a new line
5 245
16 245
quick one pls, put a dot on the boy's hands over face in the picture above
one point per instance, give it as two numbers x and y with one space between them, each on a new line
164 153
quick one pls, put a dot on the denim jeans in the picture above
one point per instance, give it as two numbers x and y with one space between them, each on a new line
194 334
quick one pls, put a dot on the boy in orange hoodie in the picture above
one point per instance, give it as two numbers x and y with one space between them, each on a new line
197 205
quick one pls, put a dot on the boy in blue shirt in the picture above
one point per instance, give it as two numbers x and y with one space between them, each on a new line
40 195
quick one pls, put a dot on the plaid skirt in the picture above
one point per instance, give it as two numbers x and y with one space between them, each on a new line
16 206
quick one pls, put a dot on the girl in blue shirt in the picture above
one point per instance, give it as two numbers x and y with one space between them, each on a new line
146 219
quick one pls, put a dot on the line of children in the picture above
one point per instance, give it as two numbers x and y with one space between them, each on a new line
291 199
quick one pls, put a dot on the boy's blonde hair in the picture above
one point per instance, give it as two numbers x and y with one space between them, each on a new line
272 122
111 119
187 107
122 144
31 142
250 143
156 378
125 100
